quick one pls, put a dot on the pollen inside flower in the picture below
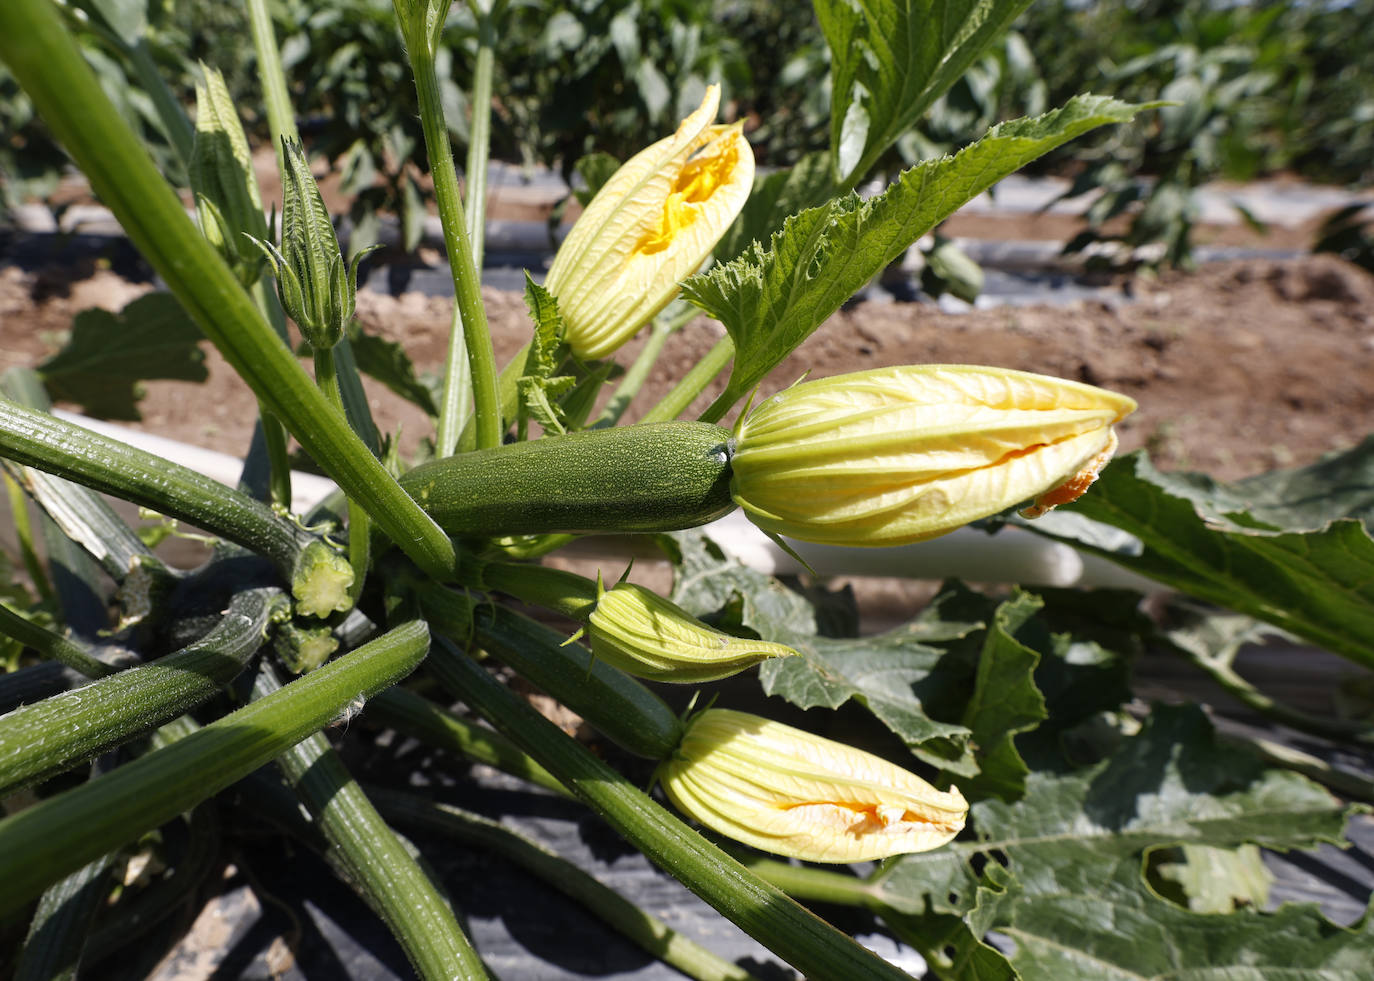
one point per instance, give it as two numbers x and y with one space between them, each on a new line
1076 486
708 169
858 817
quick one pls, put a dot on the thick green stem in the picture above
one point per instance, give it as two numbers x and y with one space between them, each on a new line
23 532
169 111
47 63
637 374
693 384
273 432
42 844
375 860
1225 675
39 440
554 589
57 935
418 717
767 914
281 122
453 415
507 395
281 117
812 883
84 517
359 527
616 705
479 136
467 286
649 932
1348 783
50 736
52 646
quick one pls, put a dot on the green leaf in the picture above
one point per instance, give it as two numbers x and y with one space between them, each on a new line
1291 548
1060 872
918 679
596 169
774 197
770 300
1005 702
388 362
108 354
890 59
539 389
126 19
1212 880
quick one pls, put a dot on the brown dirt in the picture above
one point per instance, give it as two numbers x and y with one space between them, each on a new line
1238 368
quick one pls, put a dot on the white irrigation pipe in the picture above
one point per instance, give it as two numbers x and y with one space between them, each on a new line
1013 555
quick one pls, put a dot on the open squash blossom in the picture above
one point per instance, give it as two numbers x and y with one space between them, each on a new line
643 634
788 792
648 228
897 455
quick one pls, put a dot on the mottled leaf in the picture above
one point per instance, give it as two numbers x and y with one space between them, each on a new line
917 679
1290 548
1061 871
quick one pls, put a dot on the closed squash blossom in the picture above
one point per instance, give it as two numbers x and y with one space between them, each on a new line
648 228
897 455
643 634
786 791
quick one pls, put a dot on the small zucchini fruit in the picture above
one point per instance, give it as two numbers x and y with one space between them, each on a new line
655 477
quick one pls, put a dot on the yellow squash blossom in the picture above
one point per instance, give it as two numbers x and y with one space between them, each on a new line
897 455
648 228
788 792
645 635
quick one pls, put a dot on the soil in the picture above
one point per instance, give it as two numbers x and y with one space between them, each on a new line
1239 367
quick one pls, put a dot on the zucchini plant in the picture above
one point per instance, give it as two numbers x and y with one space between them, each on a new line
145 692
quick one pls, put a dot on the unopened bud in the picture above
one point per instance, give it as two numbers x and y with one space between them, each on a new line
318 291
643 634
788 792
221 172
896 455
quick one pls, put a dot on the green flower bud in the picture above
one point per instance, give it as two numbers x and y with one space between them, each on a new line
221 172
896 455
643 634
317 290
791 793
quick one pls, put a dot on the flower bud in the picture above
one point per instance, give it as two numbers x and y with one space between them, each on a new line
897 455
788 792
643 634
221 172
648 228
317 290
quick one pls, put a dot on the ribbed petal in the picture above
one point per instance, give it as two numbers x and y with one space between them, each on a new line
896 455
792 793
648 228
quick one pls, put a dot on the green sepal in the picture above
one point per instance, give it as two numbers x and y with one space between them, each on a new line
321 301
222 180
